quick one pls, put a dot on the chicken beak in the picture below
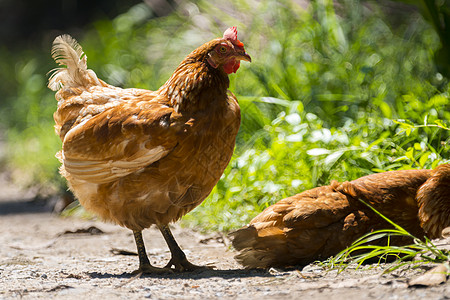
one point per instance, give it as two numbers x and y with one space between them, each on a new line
243 56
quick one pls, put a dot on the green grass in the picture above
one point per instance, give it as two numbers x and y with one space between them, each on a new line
362 250
328 95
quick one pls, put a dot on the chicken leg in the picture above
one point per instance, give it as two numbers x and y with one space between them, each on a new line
144 262
178 259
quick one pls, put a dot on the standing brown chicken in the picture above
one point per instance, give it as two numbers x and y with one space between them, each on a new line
321 222
137 157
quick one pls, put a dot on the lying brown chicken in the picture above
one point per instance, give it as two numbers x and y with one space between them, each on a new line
321 222
137 157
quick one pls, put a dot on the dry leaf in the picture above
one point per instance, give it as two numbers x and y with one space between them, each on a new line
91 231
435 276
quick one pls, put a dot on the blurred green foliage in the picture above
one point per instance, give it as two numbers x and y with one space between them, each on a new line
437 13
328 95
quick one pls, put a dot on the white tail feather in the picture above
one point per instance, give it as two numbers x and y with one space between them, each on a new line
73 72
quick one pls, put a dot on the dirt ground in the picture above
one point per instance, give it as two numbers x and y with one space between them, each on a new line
44 256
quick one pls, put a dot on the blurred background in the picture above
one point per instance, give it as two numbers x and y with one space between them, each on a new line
336 89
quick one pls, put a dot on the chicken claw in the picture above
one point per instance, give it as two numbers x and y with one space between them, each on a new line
149 269
178 260
183 265
144 263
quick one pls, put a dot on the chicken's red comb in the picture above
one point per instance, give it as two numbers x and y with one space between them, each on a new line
231 35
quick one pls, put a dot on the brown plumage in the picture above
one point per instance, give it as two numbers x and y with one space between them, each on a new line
323 221
137 157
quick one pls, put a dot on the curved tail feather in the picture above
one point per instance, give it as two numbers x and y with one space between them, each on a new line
73 71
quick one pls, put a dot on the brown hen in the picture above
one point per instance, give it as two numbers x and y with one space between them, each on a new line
321 222
137 157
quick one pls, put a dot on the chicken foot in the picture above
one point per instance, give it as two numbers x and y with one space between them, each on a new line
144 263
178 259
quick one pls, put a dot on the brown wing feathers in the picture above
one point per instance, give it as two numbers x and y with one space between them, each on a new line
321 222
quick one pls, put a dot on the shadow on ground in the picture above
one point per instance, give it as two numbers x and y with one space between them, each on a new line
226 274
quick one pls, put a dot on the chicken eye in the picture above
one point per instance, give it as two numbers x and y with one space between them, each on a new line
223 49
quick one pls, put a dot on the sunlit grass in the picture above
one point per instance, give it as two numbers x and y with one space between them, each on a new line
363 251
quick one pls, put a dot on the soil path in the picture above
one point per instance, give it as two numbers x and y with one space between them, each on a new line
42 256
